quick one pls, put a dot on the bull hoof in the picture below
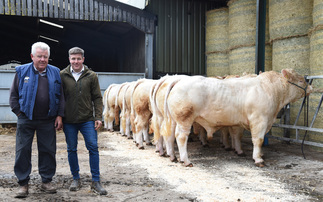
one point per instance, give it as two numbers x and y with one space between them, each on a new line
149 144
163 155
137 144
174 160
141 148
242 154
130 138
206 146
189 165
260 165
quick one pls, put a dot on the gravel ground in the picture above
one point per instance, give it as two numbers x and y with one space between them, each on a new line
130 174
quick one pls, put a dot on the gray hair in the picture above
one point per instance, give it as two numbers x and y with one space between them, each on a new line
40 45
76 50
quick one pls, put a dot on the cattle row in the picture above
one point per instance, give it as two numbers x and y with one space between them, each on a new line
170 106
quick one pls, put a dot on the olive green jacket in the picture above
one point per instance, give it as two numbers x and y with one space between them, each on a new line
81 96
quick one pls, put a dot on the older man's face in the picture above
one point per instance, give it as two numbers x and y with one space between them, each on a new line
40 59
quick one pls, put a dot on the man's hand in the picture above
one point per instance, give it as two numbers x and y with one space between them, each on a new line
97 124
58 123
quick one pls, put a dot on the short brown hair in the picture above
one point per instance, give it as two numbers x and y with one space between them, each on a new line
76 50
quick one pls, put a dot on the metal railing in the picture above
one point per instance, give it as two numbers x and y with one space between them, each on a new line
285 117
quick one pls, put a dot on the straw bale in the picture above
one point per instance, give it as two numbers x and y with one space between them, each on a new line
292 53
217 64
313 103
268 57
242 23
242 60
289 18
317 12
316 67
217 30
316 56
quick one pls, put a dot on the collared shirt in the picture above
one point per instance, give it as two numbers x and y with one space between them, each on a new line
77 75
41 74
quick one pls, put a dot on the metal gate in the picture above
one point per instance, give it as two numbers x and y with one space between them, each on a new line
7 76
296 127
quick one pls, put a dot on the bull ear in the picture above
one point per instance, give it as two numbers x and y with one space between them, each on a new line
285 73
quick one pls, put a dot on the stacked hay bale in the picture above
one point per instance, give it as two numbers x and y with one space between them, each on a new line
316 64
242 37
217 42
289 22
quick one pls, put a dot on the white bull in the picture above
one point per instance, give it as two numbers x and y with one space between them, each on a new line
252 103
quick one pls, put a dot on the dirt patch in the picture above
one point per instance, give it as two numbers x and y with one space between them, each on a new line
130 174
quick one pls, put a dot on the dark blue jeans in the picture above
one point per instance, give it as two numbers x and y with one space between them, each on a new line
46 143
91 142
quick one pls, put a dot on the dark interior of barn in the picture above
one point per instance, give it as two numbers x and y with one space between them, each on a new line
108 46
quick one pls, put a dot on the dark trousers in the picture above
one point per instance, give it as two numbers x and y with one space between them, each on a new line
46 143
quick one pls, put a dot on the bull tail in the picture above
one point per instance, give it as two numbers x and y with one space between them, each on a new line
152 97
123 110
106 105
167 128
105 99
117 107
133 112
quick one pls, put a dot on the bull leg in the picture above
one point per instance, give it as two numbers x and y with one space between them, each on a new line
225 138
170 147
202 137
160 146
181 139
105 121
236 134
258 134
139 140
122 132
110 122
146 135
128 128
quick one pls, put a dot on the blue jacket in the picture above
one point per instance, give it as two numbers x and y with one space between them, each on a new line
28 85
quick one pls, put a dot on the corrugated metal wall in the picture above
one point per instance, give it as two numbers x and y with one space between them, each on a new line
180 36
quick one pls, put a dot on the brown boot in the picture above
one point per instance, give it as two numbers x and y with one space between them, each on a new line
22 191
48 188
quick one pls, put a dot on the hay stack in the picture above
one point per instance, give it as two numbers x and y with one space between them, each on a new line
242 23
242 36
292 53
289 22
217 30
217 64
217 42
317 12
316 55
289 18
316 64
242 60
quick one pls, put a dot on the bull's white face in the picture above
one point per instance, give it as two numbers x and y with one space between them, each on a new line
299 80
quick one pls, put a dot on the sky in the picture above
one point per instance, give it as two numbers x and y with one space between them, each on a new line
136 3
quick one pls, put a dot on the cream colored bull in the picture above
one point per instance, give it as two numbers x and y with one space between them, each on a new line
141 111
252 103
109 97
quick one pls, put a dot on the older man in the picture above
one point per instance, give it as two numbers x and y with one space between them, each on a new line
37 98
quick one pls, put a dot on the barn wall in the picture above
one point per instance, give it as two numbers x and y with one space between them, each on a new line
179 36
